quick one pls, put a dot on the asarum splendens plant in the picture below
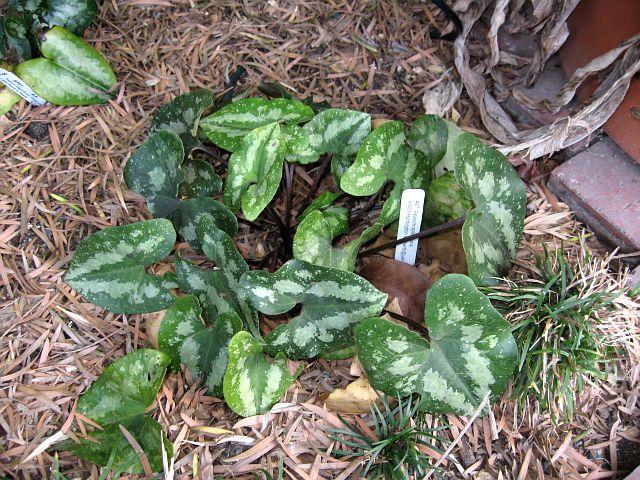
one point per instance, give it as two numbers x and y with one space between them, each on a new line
212 326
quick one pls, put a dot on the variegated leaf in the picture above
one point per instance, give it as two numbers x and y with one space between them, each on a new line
228 126
492 231
298 147
120 397
339 165
207 286
471 352
71 72
428 135
153 171
255 170
252 383
321 202
446 200
182 116
332 300
338 131
108 267
313 241
72 15
200 179
204 350
384 156
188 214
221 249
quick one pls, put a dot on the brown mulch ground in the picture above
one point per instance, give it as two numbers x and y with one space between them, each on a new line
372 56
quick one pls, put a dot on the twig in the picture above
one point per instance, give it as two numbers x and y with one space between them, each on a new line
424 233
320 174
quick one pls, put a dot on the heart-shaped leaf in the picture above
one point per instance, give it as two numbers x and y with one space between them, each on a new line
228 126
221 249
108 267
313 241
153 171
384 156
337 131
252 383
492 231
471 351
71 72
333 301
119 397
182 116
298 147
255 170
203 350
72 15
200 179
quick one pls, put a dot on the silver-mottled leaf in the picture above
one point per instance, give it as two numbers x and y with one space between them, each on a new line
252 383
108 267
338 131
228 126
332 300
255 170
471 352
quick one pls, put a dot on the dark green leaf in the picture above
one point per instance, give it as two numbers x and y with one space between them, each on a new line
200 179
203 350
182 116
73 15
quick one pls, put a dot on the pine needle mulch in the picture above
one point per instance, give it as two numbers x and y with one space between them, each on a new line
62 179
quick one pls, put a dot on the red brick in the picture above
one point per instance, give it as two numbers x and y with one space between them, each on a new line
602 185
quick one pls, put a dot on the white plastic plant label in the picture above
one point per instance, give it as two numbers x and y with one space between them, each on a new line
14 83
409 224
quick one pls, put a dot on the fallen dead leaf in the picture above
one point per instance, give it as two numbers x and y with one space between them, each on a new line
442 254
405 284
357 397
152 323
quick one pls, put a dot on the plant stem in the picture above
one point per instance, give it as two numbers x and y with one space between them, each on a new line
421 328
316 183
289 171
424 233
284 233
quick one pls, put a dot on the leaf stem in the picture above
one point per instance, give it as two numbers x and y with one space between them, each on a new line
320 174
424 233
416 325
284 233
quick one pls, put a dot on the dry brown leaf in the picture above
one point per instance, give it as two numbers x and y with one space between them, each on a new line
357 397
442 254
152 323
405 284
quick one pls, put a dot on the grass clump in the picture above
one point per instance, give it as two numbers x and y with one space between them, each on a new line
400 449
557 317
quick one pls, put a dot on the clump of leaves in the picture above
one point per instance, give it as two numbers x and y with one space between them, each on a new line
402 439
214 330
555 316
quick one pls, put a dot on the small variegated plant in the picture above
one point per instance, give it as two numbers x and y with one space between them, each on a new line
211 314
